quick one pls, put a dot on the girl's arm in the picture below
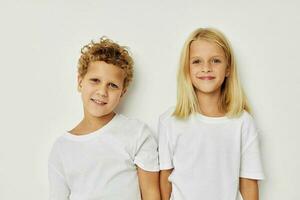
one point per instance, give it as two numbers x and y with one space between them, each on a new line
149 184
165 185
249 189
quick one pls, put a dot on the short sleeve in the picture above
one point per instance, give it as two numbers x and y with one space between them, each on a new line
164 147
146 156
58 188
251 164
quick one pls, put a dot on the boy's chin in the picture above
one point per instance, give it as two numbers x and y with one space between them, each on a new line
102 115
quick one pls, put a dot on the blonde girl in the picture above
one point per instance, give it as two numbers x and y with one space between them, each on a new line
208 143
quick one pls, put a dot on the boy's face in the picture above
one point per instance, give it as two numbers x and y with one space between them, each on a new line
101 88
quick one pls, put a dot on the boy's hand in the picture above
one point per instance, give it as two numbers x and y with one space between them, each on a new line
149 184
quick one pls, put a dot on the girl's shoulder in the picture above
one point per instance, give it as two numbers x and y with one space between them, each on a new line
168 119
246 117
167 115
247 122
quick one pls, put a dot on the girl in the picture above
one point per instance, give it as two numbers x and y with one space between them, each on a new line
208 144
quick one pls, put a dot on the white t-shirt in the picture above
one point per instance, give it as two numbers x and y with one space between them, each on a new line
208 155
102 164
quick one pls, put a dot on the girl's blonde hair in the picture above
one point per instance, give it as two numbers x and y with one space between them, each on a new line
233 99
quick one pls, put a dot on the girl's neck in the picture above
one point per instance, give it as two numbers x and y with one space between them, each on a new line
90 124
209 104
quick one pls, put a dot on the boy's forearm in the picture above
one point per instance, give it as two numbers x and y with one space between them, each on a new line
249 189
149 184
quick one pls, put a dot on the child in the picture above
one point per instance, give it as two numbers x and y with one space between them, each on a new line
107 155
208 144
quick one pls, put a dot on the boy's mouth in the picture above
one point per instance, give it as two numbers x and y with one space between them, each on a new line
99 102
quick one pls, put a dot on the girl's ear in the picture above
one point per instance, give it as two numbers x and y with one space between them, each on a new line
227 72
79 83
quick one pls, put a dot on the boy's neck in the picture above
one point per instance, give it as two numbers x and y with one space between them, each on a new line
90 124
209 104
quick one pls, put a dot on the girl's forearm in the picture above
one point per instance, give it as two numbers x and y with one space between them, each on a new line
249 189
166 191
165 185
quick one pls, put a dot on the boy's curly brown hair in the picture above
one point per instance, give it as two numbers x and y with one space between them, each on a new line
110 52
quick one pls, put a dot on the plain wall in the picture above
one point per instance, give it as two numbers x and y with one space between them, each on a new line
40 46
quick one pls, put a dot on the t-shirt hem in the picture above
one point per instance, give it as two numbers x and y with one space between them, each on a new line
165 167
256 176
146 168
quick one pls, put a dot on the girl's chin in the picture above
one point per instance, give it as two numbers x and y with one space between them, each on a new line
207 90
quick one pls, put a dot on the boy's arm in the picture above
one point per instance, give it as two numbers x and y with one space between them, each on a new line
149 184
165 185
249 189
58 188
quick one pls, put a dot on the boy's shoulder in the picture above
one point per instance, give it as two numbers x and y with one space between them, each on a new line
60 140
128 122
129 130
128 126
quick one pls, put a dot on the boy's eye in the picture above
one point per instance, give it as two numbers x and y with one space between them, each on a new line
112 85
95 80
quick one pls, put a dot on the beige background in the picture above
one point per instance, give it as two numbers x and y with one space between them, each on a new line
40 43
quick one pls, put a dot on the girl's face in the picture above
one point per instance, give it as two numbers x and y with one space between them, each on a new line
208 67
101 88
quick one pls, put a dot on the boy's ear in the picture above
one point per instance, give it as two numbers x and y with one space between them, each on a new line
123 92
79 82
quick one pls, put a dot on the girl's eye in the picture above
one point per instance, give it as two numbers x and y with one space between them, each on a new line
216 61
112 85
196 61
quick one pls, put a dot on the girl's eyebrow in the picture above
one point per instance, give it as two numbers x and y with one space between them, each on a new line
218 55
194 57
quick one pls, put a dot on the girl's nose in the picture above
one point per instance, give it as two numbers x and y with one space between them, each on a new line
206 67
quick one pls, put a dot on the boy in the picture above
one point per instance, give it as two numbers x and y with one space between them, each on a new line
107 155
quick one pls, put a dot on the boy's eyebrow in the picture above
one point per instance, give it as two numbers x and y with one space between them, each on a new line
98 77
93 77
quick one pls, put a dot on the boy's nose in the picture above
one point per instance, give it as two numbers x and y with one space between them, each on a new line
102 91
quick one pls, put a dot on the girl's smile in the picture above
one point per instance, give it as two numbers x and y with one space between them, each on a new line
208 78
